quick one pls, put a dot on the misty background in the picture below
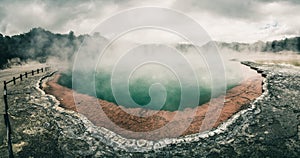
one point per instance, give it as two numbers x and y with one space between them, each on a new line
59 50
54 31
42 45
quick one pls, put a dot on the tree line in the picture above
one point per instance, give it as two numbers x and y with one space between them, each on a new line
39 44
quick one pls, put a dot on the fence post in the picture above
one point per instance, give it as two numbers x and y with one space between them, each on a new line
32 72
26 74
7 123
8 135
5 96
4 85
21 77
14 79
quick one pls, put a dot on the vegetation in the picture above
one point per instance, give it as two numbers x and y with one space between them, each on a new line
292 44
38 44
287 44
294 62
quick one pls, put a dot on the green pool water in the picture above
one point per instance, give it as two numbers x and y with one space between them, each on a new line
138 89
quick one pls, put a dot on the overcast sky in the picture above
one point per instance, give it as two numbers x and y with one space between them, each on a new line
224 20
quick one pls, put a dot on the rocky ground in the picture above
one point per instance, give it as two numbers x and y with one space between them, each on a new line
139 123
6 75
270 127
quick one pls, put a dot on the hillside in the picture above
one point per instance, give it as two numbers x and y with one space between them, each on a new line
287 44
39 44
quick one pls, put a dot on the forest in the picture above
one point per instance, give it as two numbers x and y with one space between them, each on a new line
39 44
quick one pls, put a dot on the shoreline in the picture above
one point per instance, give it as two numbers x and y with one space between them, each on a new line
108 115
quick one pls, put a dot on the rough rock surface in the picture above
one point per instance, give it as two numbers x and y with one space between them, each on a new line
269 128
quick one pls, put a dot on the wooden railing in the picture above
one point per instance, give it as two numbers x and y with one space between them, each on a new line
5 94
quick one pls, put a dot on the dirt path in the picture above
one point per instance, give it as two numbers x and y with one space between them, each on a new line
116 119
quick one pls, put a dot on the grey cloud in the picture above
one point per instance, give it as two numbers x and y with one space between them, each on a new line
239 9
231 8
18 16
288 1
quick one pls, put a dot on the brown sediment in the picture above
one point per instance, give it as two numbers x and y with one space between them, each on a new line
127 121
62 94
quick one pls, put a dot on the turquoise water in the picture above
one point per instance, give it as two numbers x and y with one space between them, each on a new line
138 89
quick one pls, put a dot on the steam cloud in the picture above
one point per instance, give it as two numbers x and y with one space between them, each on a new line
146 77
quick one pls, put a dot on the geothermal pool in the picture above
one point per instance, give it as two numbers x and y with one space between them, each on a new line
136 123
138 89
155 91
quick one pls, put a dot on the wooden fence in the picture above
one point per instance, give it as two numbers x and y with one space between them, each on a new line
21 77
